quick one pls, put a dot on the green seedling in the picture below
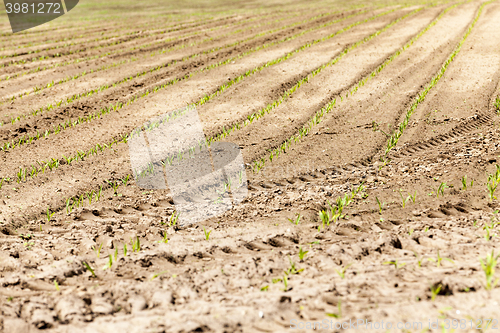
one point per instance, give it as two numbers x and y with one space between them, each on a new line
87 266
125 180
165 239
497 104
410 231
207 233
342 271
285 283
89 196
26 237
109 264
265 288
413 197
124 250
337 315
56 285
97 250
297 219
302 254
439 259
116 254
68 208
158 274
488 228
419 260
49 215
173 219
29 245
435 291
292 269
403 200
114 185
492 187
441 189
395 264
3 180
488 265
136 244
380 205
464 183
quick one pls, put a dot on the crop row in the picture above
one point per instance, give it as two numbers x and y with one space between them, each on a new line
394 138
317 117
133 58
107 54
261 113
74 97
124 40
34 170
171 28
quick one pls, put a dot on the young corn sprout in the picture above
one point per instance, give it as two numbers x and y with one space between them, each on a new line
342 271
297 219
49 215
136 244
207 233
395 263
439 259
302 254
380 205
488 266
441 189
492 183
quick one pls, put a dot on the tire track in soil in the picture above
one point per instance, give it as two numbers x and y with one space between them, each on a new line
282 77
469 124
467 87
122 165
259 137
94 103
361 154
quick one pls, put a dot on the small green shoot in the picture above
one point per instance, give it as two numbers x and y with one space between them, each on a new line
488 265
297 219
87 266
380 205
439 259
337 315
394 263
302 254
97 250
342 271
441 189
207 233
435 291
165 239
136 244
49 215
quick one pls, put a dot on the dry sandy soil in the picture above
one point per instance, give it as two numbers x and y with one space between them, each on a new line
387 111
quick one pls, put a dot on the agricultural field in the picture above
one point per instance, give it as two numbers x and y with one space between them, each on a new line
369 136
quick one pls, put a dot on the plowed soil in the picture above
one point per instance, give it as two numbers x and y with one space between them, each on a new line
313 93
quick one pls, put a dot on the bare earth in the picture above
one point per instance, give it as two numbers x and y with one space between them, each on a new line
328 85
